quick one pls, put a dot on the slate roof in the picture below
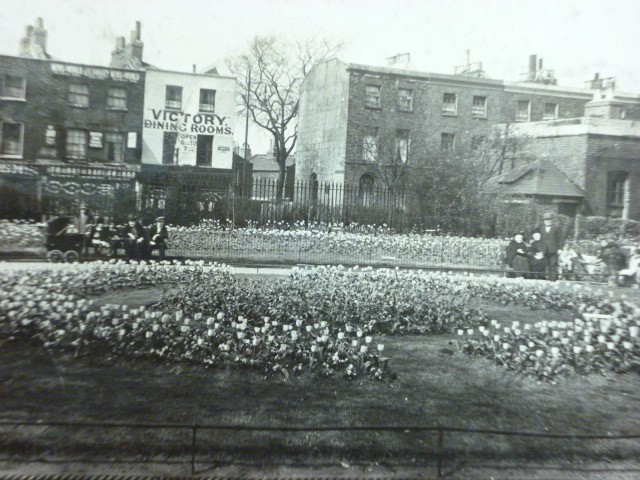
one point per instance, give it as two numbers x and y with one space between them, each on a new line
538 178
264 163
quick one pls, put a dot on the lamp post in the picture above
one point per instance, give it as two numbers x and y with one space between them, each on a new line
246 132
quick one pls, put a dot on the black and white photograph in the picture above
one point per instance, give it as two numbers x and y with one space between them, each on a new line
322 239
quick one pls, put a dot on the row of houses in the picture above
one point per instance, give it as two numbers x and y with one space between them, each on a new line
580 148
133 136
83 134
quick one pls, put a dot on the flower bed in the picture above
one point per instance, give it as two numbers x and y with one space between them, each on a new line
602 339
323 319
209 238
18 235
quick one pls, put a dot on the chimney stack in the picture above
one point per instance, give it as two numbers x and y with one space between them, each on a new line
34 43
128 55
532 66
540 64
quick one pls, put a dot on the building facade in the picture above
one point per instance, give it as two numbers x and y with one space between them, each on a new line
115 139
600 155
188 119
355 118
70 133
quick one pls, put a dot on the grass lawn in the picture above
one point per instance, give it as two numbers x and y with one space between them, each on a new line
435 384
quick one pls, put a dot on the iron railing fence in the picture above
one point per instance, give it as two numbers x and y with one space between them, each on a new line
282 247
438 452
302 203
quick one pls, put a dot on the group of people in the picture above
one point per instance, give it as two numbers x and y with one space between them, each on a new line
137 241
539 258
103 236
547 256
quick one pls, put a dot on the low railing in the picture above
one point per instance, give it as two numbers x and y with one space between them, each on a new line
442 432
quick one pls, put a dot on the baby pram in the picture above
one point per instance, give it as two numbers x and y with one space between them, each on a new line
588 268
64 243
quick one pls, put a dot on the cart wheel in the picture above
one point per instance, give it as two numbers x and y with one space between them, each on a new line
55 256
71 256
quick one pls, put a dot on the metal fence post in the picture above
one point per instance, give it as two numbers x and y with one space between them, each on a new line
194 429
440 449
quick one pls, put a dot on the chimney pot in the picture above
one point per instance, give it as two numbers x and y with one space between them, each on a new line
138 30
597 76
194 68
540 64
120 43
40 22
532 64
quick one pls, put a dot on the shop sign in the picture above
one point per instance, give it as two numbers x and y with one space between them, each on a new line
18 169
132 140
91 172
95 139
95 73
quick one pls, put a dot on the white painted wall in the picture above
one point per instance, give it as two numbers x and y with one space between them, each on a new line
189 121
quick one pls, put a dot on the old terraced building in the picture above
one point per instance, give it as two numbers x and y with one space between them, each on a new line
356 120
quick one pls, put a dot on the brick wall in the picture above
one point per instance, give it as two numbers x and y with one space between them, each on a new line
587 159
47 103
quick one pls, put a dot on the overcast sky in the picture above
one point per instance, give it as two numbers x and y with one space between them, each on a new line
576 38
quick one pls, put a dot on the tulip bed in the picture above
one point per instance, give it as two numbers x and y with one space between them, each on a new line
319 240
322 319
20 234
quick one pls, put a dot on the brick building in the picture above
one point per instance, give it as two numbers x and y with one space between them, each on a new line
601 155
355 118
70 133
116 139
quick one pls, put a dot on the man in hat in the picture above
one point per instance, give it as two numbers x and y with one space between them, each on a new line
135 238
158 236
552 242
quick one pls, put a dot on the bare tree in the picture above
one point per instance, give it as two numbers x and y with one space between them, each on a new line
269 78
499 152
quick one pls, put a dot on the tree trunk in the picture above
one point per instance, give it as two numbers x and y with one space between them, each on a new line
281 179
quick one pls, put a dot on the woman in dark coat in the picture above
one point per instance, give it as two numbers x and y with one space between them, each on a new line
517 256
536 256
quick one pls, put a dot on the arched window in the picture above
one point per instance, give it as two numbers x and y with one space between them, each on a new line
365 189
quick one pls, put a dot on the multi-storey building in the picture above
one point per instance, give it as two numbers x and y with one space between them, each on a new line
70 133
112 138
354 117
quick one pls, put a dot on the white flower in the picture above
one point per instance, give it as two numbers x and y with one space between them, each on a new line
539 353
577 350
470 331
611 345
506 346
555 351
363 349
367 339
627 345
589 348
220 316
460 332
210 333
633 331
340 335
200 341
314 348
380 347
308 328
354 343
359 333
496 338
